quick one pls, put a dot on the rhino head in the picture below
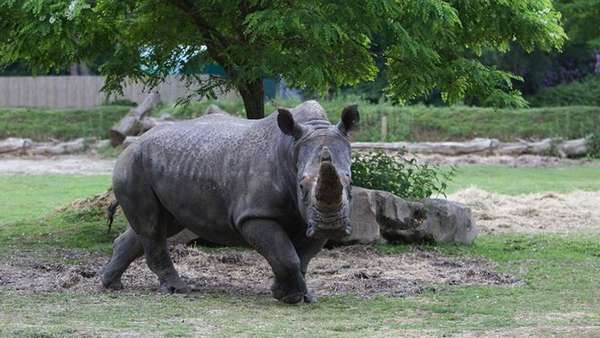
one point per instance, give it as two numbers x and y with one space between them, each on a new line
322 160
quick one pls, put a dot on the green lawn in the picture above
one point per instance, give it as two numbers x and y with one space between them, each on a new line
558 296
29 197
63 124
519 180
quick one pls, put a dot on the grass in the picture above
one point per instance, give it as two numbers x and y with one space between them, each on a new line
521 180
560 275
558 294
422 123
412 123
61 124
30 197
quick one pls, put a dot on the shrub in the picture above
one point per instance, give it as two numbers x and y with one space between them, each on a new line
593 143
585 92
402 177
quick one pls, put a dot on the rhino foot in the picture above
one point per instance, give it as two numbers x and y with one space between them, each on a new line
112 285
287 295
174 287
310 297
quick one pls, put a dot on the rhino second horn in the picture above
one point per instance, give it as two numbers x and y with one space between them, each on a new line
329 187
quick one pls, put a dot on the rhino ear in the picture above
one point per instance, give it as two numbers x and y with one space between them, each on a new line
349 120
286 123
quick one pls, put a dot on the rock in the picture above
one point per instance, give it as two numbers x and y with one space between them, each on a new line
381 216
364 212
448 222
15 145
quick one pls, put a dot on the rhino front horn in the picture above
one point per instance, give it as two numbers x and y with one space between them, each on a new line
329 187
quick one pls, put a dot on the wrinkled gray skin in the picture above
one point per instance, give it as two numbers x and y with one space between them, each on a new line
280 184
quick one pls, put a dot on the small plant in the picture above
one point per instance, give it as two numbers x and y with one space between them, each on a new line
403 177
593 143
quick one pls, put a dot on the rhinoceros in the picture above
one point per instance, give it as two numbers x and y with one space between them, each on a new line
281 184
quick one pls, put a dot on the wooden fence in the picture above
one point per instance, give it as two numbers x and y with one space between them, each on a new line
79 91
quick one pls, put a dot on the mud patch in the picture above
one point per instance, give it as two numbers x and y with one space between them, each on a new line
360 271
548 212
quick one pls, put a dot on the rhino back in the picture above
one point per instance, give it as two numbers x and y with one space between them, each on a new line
214 172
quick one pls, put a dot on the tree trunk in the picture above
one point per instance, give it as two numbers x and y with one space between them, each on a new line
254 99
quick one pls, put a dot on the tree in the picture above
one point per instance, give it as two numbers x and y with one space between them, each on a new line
581 20
315 44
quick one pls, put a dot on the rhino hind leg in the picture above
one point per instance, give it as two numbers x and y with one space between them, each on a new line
159 261
151 224
273 243
126 248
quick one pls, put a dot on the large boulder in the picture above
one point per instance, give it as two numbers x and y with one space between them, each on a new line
379 216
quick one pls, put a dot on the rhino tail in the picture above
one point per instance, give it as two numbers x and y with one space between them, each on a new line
111 210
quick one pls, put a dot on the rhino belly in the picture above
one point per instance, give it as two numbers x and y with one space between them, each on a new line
203 208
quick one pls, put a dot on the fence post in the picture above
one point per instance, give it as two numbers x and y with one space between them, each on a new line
384 127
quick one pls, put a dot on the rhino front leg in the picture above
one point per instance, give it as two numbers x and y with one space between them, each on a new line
273 243
307 250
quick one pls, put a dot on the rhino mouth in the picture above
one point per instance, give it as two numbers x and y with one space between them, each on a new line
328 224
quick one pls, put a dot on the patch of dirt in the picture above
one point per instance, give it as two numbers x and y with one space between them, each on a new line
547 212
63 165
360 271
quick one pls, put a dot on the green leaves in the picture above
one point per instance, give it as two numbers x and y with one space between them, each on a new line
320 45
404 178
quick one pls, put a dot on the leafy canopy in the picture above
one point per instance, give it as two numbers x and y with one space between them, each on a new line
582 19
316 44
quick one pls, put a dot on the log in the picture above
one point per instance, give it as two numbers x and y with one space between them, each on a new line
151 122
61 148
477 145
545 147
129 140
573 148
15 145
130 125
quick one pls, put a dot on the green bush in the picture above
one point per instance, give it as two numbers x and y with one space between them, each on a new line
594 146
404 178
585 92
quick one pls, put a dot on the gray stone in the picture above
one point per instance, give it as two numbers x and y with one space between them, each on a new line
448 222
381 216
